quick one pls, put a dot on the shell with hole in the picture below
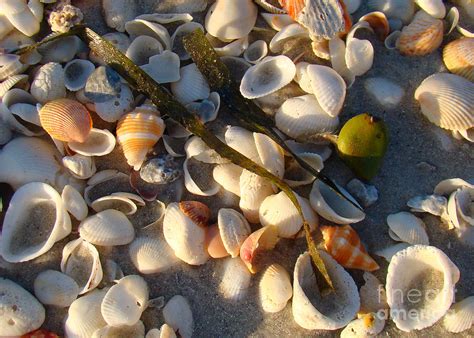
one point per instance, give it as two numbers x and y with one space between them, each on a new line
177 314
233 229
151 255
74 202
461 316
275 288
55 288
263 239
49 83
408 228
458 56
235 280
192 86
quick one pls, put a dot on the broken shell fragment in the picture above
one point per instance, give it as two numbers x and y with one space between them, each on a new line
373 296
120 203
102 85
164 67
140 27
235 280
49 83
177 314
275 288
55 288
408 228
80 166
142 48
263 239
433 204
256 51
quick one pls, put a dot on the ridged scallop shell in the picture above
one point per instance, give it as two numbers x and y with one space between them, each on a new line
80 166
366 325
164 67
139 27
142 48
132 331
233 228
100 142
48 83
150 255
177 314
275 288
192 86
256 51
84 316
408 228
124 302
422 36
34 221
315 311
435 8
461 316
458 56
394 9
266 77
228 176
344 245
428 270
66 120
253 191
263 239
55 288
235 280
21 312
138 133
74 202
76 73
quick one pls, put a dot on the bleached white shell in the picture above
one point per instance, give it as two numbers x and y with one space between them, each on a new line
142 48
275 288
266 77
396 9
277 21
292 31
118 12
80 166
140 27
234 48
76 73
271 154
235 279
165 331
428 270
133 331
373 296
21 312
408 228
447 100
390 251
55 288
446 187
35 220
22 18
193 187
74 202
301 77
253 191
459 208
256 51
10 65
177 313
243 141
60 50
332 206
385 92
124 302
192 86
359 53
233 229
228 176
461 316
112 110
177 37
100 142
5 27
367 325
206 109
165 18
164 67
11 82
195 147
48 83
435 8
314 311
112 271
120 203
150 255
18 105
433 204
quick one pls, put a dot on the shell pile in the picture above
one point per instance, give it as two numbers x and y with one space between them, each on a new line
95 162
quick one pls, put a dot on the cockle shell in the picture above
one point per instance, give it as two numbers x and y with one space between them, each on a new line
256 51
118 12
408 228
435 8
192 86
66 120
233 229
150 255
11 82
139 27
394 9
80 166
35 220
61 50
10 65
100 142
55 288
275 288
235 280
142 48
48 83
177 314
74 202
366 325
76 73
428 270
458 56
253 190
315 311
263 239
228 176
447 100
461 316
21 312
164 67
108 331
344 245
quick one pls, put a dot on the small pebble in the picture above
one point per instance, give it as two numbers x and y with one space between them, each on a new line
425 166
364 193
160 170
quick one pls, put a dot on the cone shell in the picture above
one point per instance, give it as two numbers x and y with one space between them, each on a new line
458 56
461 316
263 239
84 316
408 228
233 229
177 314
344 245
235 280
66 120
275 288
55 288
150 255
138 133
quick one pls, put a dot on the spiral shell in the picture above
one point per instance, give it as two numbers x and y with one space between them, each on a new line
458 56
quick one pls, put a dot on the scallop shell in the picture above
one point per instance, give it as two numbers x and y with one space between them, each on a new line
164 67
228 19
461 316
142 48
266 77
458 56
10 65
253 191
74 202
277 21
118 12
228 176
21 312
422 36
124 302
11 82
435 8
55 288
366 325
233 228
150 255
139 27
394 9
315 311
177 314
387 93
373 297
235 280
100 142
80 166
120 203
275 288
35 220
256 51
261 240
177 38
192 86
135 331
408 228
49 83
76 73
431 273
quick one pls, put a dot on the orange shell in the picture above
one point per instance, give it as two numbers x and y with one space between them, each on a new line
458 56
198 212
40 333
379 23
422 36
344 245
137 133
215 246
66 120
263 239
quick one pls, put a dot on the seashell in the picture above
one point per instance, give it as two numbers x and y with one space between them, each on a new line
435 8
266 77
177 314
289 32
344 245
113 109
133 197
11 82
183 227
61 50
64 17
448 186
21 17
387 93
253 191
301 77
102 85
118 12
100 142
5 134
459 208
21 312
106 182
328 87
195 183
165 331
228 176
76 73
328 204
391 41
337 54
277 21
120 203
215 247
261 240
366 194
35 220
275 288
433 204
160 170
150 255
136 330
192 86
468 134
164 67
84 316
55 288
390 251
142 48
256 51
19 113
80 166
279 211
242 141
235 280
359 53
302 116
120 40
80 261
310 308
48 83
379 24
394 9
206 109
427 270
74 202
458 57
296 175
227 19
124 303
112 271
36 7
139 27
233 229
107 228
165 18
234 48
237 67
366 325
373 297
177 38
460 317
422 36
408 228
271 154
452 20
5 27
10 65
66 120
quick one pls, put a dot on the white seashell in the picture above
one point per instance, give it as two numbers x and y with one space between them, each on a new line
310 308
275 288
253 191
48 83
80 166
195 147
164 67
266 77
140 27
74 202
55 288
279 211
133 331
10 65
296 175
233 228
461 316
5 27
36 7
390 251
191 184
100 142
120 203
165 331
142 48
22 18
387 93
228 176
271 154
359 53
277 21
256 51
292 31
367 325
398 9
119 40
435 8
373 297
60 50
192 86
447 100
150 255
448 186
301 77
234 48
19 113
235 279
243 141
328 204
76 73
177 38
177 313
164 18
391 41
433 204
21 312
35 220
206 109
125 302
408 228
468 134
118 12
11 82
460 206
432 274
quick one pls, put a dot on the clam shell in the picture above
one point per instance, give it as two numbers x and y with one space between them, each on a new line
60 50
310 308
76 73
21 312
408 228
460 317
80 166
387 93
373 297
448 186
35 220
74 202
228 176
177 313
435 8
263 239
390 251
192 86
113 109
84 316
301 76
100 142
235 280
367 325
177 38
49 83
275 288
55 288
215 247
118 12
150 255
429 271
394 9
253 191
277 21
271 154
142 48
164 67
120 203
242 141
234 48
139 27
458 56
233 229
133 331
256 51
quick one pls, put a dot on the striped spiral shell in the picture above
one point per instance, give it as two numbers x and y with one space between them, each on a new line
458 56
